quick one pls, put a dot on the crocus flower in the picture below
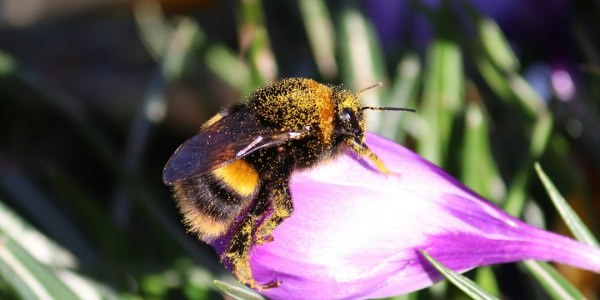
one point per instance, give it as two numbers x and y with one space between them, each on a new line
357 233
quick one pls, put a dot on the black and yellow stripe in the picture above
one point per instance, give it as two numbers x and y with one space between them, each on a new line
210 202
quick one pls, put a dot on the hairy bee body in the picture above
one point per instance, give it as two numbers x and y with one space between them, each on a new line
234 175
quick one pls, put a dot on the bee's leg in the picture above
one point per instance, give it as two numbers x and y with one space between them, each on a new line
238 251
238 254
364 151
283 208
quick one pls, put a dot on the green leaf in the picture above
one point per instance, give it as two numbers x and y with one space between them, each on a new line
527 98
230 68
517 192
154 29
36 249
494 42
496 45
540 135
479 171
186 37
20 232
255 40
553 282
404 91
465 284
409 296
494 78
577 227
17 276
238 292
7 64
86 287
261 58
321 35
30 278
485 278
442 98
362 60
443 91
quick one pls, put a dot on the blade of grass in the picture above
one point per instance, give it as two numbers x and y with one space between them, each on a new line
7 64
498 65
575 224
86 288
442 97
479 171
494 43
40 246
443 91
229 67
553 282
465 284
30 276
321 36
540 135
254 39
485 278
409 296
404 92
154 30
262 60
492 76
186 37
362 59
18 277
517 192
527 98
237 292
43 251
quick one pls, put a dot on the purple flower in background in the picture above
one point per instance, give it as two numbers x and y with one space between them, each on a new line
401 25
357 233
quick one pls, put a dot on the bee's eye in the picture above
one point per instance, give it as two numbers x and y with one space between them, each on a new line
346 115
350 117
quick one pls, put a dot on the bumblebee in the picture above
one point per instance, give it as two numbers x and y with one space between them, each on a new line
233 176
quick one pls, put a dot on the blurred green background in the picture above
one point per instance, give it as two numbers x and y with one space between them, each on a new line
95 95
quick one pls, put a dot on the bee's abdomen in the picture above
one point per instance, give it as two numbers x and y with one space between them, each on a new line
210 202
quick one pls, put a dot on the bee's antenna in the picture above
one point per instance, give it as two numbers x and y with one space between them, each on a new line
388 108
369 87
381 107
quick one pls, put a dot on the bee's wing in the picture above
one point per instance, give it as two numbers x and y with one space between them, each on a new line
232 137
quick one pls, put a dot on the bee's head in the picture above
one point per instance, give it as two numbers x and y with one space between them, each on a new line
349 116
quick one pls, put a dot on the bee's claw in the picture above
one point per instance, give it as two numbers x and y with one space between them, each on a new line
265 239
272 284
262 287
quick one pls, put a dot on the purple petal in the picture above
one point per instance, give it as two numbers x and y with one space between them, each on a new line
356 233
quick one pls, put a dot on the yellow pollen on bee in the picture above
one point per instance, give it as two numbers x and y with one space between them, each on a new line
323 98
239 176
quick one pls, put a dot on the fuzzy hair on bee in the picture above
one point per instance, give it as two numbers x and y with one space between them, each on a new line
233 176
